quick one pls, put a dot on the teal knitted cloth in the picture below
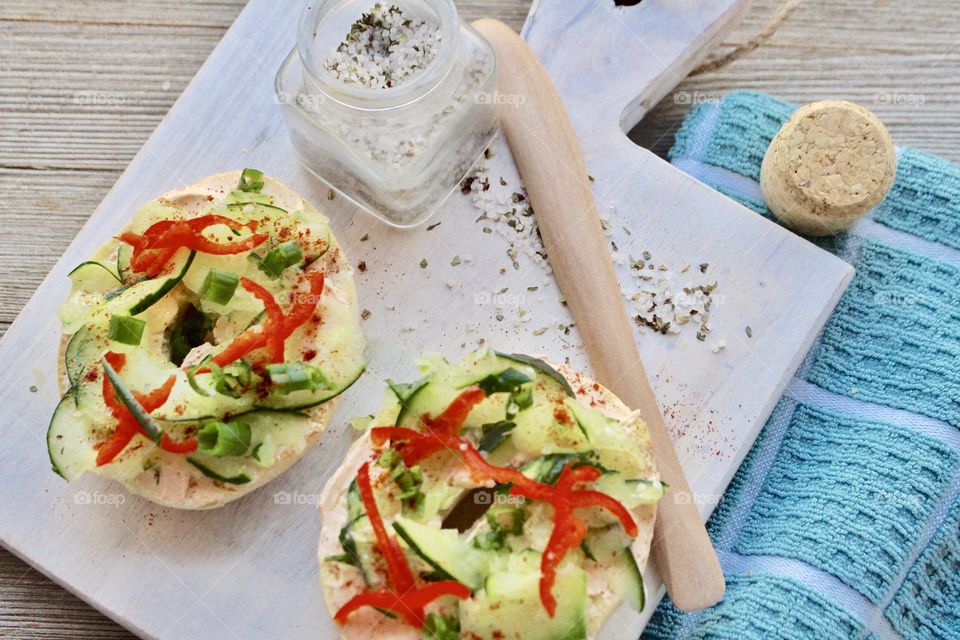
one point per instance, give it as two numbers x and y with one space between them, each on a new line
844 520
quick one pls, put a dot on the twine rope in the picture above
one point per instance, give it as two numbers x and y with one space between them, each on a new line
784 11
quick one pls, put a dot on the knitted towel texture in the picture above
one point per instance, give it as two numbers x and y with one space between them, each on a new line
844 519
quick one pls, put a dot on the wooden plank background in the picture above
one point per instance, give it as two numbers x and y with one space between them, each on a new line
83 83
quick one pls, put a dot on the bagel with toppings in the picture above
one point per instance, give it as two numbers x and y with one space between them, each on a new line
205 346
496 498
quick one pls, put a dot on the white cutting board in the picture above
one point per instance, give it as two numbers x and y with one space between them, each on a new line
249 570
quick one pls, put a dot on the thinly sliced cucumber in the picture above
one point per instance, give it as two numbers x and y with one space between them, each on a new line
631 493
124 255
542 367
246 197
509 606
306 398
626 580
616 449
74 313
69 454
149 300
262 208
444 550
82 352
430 399
480 367
94 275
150 428
239 478
545 428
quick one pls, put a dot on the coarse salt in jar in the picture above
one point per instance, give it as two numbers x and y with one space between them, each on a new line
389 103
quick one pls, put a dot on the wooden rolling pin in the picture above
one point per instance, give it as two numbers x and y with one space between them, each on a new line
548 155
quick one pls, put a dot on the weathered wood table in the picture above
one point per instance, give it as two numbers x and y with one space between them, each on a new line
83 83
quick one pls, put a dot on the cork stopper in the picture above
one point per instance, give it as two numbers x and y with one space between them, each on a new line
829 164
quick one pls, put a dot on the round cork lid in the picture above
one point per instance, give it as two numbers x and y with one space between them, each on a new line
832 159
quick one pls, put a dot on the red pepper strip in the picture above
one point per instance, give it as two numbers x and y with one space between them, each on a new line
398 570
410 605
185 236
273 326
127 425
451 420
568 532
154 248
250 339
304 304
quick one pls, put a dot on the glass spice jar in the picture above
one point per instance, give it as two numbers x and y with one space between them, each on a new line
399 151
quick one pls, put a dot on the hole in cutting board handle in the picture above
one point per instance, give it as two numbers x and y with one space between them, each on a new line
626 3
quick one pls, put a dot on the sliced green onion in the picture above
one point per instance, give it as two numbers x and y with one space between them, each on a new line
280 257
240 478
220 439
234 380
150 427
126 330
296 376
219 286
192 380
251 180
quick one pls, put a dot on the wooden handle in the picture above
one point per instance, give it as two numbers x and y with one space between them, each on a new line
548 155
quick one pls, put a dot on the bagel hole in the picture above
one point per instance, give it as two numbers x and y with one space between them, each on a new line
471 508
191 328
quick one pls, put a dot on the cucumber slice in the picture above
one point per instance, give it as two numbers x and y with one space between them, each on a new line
255 210
539 431
271 429
610 547
305 399
124 255
480 366
626 580
617 451
69 454
509 605
542 367
428 399
94 275
83 349
239 478
150 299
629 492
450 556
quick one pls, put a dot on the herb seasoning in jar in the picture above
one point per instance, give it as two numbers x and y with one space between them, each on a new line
389 103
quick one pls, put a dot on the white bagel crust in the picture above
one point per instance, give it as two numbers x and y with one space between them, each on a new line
340 581
180 485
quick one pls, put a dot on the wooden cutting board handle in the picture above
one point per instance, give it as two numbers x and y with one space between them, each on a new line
548 155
